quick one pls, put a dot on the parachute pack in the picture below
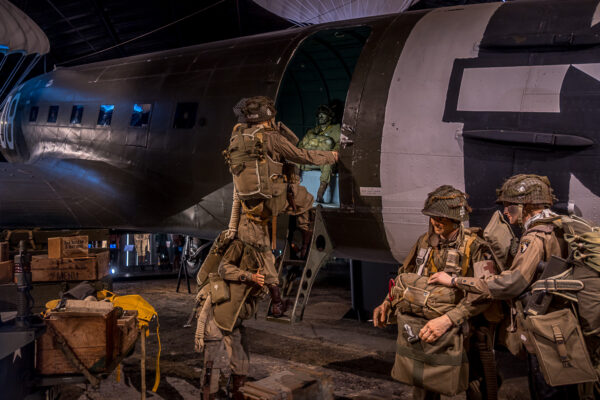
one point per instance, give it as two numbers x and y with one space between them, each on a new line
565 341
250 165
583 240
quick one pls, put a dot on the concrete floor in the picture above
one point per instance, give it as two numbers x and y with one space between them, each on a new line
356 356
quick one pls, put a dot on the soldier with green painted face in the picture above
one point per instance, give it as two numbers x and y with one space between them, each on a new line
324 136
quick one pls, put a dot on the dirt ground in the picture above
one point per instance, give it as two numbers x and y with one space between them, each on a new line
357 357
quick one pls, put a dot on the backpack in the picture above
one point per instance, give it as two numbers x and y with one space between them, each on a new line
563 340
250 165
583 240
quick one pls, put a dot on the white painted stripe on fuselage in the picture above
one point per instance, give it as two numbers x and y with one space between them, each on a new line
596 16
512 89
517 89
592 70
584 199
419 151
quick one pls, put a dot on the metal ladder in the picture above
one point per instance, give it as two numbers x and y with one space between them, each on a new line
290 270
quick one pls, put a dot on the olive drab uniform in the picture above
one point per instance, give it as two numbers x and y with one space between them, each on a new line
440 367
322 138
257 236
220 333
261 204
430 255
557 329
538 243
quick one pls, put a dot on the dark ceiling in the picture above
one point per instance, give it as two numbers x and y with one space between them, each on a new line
81 31
78 28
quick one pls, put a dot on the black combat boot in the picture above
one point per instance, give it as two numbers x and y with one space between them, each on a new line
278 306
238 382
321 192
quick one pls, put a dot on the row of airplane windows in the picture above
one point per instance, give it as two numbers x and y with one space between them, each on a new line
185 115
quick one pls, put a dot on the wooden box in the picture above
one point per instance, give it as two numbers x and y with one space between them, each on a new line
68 247
45 269
6 271
102 262
296 384
93 336
129 331
4 256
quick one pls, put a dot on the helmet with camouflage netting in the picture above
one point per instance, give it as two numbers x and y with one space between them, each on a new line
255 109
449 202
325 109
526 189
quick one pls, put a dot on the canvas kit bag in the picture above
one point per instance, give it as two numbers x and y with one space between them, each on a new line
219 289
442 366
560 348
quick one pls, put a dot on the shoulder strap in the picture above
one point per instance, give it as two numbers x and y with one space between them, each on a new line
465 249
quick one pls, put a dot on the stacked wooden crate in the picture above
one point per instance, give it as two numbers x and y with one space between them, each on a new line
69 259
93 331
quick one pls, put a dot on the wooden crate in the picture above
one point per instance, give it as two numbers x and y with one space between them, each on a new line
300 383
6 271
102 262
129 331
94 337
45 269
4 256
68 247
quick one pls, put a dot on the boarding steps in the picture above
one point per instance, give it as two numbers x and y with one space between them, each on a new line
296 277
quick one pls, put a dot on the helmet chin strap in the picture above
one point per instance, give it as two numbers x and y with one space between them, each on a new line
520 216
516 211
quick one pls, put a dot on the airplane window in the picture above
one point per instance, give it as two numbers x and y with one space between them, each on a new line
52 113
141 115
185 115
76 114
33 113
105 114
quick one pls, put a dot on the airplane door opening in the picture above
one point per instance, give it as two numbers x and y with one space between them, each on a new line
316 82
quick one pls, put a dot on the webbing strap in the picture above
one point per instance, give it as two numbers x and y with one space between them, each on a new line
431 359
556 285
467 253
250 213
274 232
559 339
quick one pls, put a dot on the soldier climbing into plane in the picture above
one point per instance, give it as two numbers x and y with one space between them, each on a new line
260 156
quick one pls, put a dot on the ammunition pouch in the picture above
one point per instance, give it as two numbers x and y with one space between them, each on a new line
413 295
441 367
212 261
219 289
558 343
501 238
